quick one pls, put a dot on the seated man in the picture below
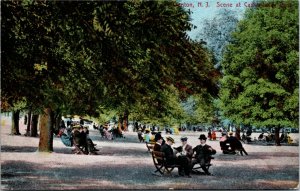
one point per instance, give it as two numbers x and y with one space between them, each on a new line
203 154
171 158
159 141
185 150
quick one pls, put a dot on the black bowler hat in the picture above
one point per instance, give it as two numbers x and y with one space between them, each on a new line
202 137
158 136
183 138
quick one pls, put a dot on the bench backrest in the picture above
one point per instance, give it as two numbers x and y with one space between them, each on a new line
150 145
158 157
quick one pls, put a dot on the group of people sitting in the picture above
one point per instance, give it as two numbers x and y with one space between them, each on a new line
145 136
79 138
110 132
185 156
231 145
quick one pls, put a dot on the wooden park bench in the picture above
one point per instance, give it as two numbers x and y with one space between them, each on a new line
150 146
160 163
163 168
196 168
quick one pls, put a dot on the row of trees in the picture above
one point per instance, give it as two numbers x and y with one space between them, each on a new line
88 58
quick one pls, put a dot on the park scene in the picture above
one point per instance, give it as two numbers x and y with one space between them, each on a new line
149 95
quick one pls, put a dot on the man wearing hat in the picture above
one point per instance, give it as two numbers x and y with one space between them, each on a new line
159 141
185 149
203 154
171 158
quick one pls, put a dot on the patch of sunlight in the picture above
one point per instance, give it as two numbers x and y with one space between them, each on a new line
2 122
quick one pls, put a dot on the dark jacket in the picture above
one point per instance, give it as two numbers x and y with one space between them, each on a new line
157 147
203 152
189 151
234 143
169 154
79 138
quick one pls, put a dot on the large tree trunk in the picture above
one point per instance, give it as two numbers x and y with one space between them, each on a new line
57 123
238 132
34 125
15 123
120 124
125 121
277 138
28 123
46 131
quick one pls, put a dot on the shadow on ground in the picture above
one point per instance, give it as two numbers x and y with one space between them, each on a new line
18 175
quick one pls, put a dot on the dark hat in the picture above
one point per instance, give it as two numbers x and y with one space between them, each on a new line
202 137
170 139
184 138
158 136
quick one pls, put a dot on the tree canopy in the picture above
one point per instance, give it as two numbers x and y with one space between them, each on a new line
90 57
260 85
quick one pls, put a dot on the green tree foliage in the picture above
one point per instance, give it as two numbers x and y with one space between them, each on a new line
80 57
260 84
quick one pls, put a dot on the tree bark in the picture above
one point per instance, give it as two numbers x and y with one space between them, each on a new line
57 123
120 123
46 131
238 132
28 123
125 121
34 125
277 138
15 130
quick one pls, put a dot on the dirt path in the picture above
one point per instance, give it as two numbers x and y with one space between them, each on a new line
125 164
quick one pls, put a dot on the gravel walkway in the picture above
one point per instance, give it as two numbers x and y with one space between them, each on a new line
126 164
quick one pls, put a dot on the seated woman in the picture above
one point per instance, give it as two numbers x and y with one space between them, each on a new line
66 137
223 143
147 136
107 134
235 145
